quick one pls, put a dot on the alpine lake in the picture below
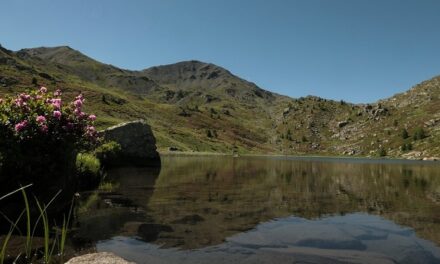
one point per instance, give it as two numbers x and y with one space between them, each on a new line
257 209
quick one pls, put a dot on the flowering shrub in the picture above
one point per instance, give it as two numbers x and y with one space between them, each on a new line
41 115
38 128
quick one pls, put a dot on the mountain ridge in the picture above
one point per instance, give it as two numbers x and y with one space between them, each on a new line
199 106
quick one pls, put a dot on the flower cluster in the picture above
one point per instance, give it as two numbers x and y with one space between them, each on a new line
39 115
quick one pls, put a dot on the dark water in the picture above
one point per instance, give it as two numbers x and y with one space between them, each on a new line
267 210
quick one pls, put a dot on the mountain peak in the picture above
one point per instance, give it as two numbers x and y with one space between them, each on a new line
191 71
190 65
58 54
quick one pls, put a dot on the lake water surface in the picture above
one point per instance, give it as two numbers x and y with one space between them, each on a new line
215 209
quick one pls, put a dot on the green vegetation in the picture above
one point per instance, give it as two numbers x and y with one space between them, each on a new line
404 134
108 186
87 204
406 147
107 153
88 164
382 152
419 134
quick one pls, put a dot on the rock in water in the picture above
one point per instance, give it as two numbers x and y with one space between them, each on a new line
98 258
138 144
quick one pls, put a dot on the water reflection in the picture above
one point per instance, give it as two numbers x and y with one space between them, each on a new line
353 238
206 202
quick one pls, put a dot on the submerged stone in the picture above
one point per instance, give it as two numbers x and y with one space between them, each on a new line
98 258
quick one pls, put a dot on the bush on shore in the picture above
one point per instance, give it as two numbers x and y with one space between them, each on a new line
41 136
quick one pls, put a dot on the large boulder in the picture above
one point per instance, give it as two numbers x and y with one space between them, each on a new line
138 144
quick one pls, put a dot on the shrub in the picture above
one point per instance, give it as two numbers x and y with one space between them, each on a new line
87 163
108 153
41 134
404 133
406 147
88 169
382 152
419 134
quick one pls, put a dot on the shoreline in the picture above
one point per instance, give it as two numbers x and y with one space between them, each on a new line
299 157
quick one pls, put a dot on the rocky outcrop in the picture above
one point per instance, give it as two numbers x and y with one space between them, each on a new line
342 123
98 258
138 144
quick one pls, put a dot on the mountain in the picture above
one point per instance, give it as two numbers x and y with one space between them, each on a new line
198 106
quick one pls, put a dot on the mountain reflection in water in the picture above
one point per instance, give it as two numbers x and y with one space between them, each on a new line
274 210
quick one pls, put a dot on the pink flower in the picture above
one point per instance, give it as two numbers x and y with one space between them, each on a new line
41 119
56 103
38 97
77 112
44 129
21 126
57 114
92 117
57 93
19 102
78 103
43 89
91 131
25 97
79 97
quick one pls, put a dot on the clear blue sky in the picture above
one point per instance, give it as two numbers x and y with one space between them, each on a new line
356 50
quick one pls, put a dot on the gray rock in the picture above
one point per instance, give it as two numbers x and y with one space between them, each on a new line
342 123
431 158
432 122
138 144
98 258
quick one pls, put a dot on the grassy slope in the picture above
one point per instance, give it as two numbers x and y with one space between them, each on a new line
196 106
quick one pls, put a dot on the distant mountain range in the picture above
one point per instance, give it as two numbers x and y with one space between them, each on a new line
198 106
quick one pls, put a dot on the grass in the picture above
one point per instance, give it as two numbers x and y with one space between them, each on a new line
50 242
7 238
108 186
28 246
63 233
86 205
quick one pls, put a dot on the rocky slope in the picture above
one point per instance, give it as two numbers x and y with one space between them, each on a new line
197 106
